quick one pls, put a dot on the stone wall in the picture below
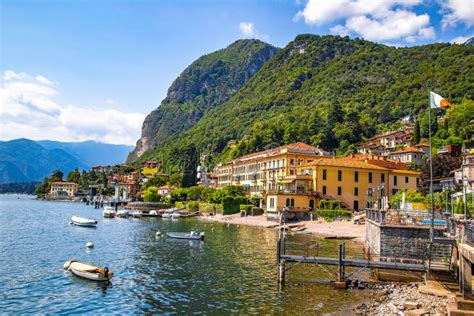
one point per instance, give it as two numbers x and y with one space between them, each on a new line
400 243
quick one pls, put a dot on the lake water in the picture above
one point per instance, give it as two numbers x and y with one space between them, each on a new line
232 272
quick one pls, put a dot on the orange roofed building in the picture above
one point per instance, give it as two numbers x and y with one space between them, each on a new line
298 176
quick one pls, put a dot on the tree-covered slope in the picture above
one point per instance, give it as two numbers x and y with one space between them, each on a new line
330 91
208 82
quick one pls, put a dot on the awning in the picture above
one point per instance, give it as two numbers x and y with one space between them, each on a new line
285 181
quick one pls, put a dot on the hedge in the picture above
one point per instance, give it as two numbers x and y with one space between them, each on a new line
179 204
331 214
232 205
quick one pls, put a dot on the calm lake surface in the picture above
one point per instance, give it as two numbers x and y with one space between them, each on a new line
232 272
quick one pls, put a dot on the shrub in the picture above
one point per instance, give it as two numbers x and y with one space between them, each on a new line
257 211
151 194
179 204
246 207
331 214
335 204
192 206
323 204
232 205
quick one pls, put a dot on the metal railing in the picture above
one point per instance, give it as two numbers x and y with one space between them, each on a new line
407 218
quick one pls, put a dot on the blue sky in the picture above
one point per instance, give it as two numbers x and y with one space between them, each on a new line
115 59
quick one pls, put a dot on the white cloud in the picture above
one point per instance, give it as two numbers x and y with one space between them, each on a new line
461 39
28 109
457 11
110 101
249 31
373 20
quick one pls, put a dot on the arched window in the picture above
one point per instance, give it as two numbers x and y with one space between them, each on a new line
292 202
311 203
287 202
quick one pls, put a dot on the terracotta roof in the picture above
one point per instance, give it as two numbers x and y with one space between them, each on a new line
408 150
389 164
422 145
344 162
406 171
64 182
291 148
167 187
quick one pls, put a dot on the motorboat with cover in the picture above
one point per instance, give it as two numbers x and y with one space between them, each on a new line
88 271
109 212
122 213
192 235
82 221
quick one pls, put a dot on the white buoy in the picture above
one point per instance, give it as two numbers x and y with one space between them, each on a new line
158 234
90 245
67 264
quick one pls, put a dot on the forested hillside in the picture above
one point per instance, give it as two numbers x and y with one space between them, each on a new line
208 82
331 92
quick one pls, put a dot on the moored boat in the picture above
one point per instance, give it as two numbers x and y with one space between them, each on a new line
108 212
136 213
166 215
175 215
82 221
192 235
88 271
122 213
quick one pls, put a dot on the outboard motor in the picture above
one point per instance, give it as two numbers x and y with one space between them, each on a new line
106 272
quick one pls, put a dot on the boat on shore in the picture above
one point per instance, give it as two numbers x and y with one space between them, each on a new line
88 271
192 235
108 212
82 221
175 215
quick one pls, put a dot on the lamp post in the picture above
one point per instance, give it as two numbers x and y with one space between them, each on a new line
465 183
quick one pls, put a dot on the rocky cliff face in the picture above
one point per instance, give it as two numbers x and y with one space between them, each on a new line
204 85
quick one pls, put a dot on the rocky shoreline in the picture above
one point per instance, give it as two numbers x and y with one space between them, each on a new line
402 299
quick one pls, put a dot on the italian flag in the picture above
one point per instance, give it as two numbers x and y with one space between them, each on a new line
438 102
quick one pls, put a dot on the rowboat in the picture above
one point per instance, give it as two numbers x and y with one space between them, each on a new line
108 212
136 213
82 221
192 235
88 271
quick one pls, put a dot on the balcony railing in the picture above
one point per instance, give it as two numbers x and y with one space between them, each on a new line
298 192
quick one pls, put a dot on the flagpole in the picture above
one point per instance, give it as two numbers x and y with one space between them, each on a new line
431 172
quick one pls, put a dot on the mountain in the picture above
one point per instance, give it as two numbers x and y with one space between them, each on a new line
24 160
208 82
91 153
470 41
329 91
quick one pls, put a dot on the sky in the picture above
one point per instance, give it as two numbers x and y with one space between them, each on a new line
75 70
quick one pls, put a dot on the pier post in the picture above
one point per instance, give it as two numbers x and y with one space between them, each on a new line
281 272
341 282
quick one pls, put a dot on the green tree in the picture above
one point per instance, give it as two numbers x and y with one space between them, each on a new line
57 175
74 176
151 194
195 193
176 179
416 133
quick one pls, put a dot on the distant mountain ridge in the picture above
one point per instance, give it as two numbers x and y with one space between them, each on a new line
24 160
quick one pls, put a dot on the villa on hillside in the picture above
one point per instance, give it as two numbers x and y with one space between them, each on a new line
408 155
298 176
165 190
61 188
384 144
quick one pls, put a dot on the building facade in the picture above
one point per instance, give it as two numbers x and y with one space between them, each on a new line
384 144
408 155
63 189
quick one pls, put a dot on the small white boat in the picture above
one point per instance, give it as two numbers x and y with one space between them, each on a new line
109 212
192 235
175 215
136 214
82 221
122 213
88 271
166 215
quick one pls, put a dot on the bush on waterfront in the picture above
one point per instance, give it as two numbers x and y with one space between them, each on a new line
192 206
231 205
151 194
246 207
180 194
179 204
256 211
254 200
329 204
332 214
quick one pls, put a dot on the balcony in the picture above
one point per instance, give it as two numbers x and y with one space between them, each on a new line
288 191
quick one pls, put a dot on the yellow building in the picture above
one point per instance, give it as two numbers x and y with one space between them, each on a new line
298 176
263 171
63 189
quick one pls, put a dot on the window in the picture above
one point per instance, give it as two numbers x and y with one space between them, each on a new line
292 162
325 174
287 202
356 191
370 177
356 176
339 175
356 205
311 204
292 172
382 177
339 190
395 180
406 179
324 189
292 202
